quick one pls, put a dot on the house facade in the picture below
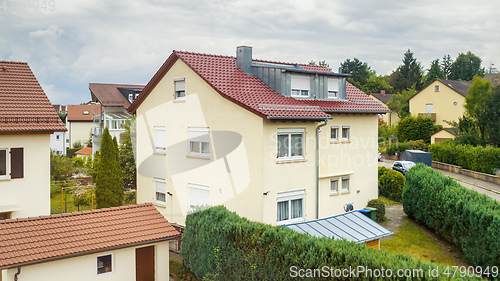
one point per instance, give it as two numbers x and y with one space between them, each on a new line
113 101
247 134
58 144
389 118
27 120
79 122
441 100
120 243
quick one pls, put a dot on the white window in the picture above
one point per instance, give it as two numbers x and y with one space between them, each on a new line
180 91
334 133
345 184
199 142
160 191
333 88
4 164
104 264
290 143
85 112
429 108
301 86
290 206
346 133
199 195
160 139
131 98
334 186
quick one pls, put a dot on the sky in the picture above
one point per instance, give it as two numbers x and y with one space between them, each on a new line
71 43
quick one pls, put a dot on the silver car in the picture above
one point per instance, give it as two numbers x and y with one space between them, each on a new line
402 166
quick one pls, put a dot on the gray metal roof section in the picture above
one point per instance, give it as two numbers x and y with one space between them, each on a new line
352 226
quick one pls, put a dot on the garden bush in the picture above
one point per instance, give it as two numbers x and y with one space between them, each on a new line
464 217
391 185
475 158
380 205
220 245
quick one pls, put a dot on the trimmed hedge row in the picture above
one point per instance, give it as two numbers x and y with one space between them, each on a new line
220 245
464 217
391 183
475 158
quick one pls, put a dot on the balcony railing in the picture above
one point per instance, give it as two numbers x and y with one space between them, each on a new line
431 115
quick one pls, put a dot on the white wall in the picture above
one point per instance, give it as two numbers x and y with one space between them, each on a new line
32 192
58 144
84 268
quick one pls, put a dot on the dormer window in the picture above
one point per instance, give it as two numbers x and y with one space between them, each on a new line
131 98
333 88
301 86
85 112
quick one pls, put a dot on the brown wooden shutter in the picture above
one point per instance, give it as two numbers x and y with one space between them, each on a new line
16 163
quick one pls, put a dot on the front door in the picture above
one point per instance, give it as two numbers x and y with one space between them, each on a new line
145 264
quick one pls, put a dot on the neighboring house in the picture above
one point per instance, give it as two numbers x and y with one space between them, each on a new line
86 151
441 100
58 139
120 243
27 119
114 99
241 132
442 135
389 118
494 79
79 122
351 226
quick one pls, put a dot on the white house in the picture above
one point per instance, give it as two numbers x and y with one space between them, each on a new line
276 142
27 119
120 243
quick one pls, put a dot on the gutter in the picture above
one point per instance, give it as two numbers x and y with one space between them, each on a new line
318 129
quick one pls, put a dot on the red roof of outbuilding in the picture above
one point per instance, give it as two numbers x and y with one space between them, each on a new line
85 151
46 238
24 107
248 91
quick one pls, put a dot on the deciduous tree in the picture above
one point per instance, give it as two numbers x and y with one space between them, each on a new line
360 71
466 66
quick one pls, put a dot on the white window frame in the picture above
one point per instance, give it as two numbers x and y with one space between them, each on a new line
336 128
86 112
333 88
429 108
7 163
160 139
200 187
336 181
164 191
344 139
193 139
300 84
131 98
288 197
112 264
348 190
180 87
289 132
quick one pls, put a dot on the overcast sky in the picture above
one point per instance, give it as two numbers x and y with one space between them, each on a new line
70 43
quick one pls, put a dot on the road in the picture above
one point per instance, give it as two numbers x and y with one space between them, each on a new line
488 188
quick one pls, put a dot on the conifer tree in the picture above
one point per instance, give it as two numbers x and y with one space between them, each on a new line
109 182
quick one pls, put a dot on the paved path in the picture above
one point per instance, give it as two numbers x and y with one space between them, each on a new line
488 188
397 217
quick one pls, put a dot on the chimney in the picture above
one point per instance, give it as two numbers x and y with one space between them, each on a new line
244 58
382 92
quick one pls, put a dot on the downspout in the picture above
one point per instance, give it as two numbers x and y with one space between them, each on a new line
318 129
17 273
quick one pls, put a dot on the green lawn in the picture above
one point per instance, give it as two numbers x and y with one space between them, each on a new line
414 241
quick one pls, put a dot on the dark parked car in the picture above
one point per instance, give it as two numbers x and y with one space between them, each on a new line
402 166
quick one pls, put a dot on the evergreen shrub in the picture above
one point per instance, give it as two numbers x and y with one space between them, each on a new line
391 185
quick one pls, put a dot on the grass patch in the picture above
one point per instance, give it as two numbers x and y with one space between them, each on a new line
179 272
414 241
387 201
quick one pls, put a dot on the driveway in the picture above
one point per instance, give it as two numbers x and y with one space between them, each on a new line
488 188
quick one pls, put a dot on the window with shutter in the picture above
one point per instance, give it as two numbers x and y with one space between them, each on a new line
199 195
4 174
199 142
160 139
16 163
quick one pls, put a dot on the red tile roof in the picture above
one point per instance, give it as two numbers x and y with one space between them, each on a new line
75 112
109 95
40 239
248 91
85 151
24 107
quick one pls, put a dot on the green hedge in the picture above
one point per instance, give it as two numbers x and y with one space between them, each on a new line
475 158
390 183
380 206
220 245
464 217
